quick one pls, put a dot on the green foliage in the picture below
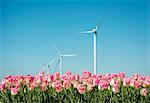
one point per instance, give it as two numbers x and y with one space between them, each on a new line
71 95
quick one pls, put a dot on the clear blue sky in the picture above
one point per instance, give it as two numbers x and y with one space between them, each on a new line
29 28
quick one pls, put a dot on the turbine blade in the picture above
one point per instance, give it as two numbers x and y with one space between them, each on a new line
44 64
97 27
52 61
69 55
86 32
56 50
57 63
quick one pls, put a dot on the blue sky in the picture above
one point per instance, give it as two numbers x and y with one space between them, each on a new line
29 28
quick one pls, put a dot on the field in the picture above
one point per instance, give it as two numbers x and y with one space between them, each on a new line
74 88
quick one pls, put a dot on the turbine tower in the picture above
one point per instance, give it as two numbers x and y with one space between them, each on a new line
94 31
60 60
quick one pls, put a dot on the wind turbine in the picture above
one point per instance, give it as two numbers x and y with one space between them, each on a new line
60 60
94 31
48 66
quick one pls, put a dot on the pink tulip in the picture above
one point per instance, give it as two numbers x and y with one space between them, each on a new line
66 84
99 76
96 81
85 81
64 77
45 81
121 75
2 86
144 92
103 85
94 76
107 77
58 86
68 73
50 78
11 80
43 87
142 78
115 86
115 89
126 81
112 82
39 80
77 77
14 91
56 76
31 87
7 83
71 78
146 82
132 82
29 79
113 76
135 76
86 74
81 88
18 85
137 84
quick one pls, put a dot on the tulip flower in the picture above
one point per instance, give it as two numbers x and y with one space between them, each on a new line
126 81
115 89
58 86
144 91
14 91
86 74
2 87
81 88
67 84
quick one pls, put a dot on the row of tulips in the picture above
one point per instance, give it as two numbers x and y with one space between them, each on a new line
71 88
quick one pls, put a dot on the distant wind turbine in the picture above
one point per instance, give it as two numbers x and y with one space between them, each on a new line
94 31
60 60
48 66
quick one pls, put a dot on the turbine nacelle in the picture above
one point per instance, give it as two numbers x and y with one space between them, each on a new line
91 31
94 31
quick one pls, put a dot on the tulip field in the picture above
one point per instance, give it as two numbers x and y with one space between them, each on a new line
74 88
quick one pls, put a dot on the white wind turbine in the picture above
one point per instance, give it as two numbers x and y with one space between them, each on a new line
60 60
48 66
94 31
